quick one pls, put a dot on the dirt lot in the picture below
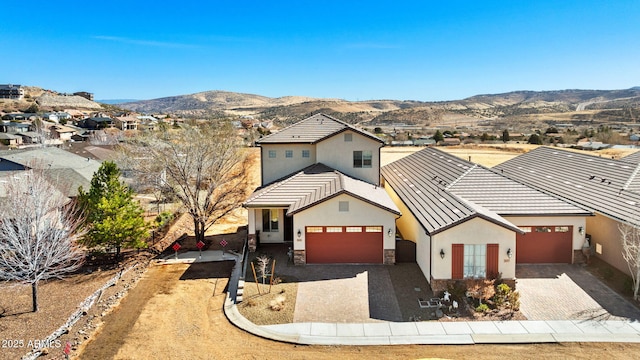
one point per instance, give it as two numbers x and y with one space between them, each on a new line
175 312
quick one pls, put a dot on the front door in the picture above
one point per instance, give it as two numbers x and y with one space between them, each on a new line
288 228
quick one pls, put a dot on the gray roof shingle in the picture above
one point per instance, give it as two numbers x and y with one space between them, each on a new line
312 130
603 185
313 185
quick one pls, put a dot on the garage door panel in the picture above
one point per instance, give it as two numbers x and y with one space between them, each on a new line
544 247
344 247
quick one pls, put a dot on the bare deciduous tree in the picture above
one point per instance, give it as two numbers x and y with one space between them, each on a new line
205 167
630 237
38 232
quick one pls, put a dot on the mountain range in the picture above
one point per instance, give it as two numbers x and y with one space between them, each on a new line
557 105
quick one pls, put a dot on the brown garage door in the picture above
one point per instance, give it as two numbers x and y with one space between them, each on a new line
344 244
544 244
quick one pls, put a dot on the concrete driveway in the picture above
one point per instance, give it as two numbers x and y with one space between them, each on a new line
568 292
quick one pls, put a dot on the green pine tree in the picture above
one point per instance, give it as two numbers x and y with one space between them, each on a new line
113 217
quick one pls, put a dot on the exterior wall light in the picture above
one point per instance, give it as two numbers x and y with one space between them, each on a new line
442 253
509 253
299 233
581 230
389 232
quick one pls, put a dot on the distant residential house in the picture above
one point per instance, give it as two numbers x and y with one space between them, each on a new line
96 123
50 117
84 94
634 137
63 133
31 137
20 116
10 139
424 141
15 127
8 91
450 141
65 170
126 122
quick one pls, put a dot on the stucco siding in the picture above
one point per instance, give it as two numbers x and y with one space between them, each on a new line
474 231
604 232
411 230
338 154
360 213
276 168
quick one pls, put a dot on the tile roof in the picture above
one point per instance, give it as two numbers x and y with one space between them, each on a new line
312 130
442 190
610 187
313 185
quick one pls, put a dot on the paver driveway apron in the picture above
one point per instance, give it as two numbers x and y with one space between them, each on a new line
568 292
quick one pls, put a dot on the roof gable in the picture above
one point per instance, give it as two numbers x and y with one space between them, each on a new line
313 130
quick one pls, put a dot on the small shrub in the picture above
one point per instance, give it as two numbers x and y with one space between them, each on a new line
502 293
514 300
482 308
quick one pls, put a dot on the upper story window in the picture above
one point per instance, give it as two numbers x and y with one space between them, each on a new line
305 153
288 153
272 154
362 159
348 137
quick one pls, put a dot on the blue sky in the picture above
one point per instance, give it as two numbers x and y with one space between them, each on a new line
354 50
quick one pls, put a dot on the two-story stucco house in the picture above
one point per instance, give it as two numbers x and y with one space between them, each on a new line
321 192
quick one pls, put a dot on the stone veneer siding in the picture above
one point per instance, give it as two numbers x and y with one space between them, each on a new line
389 256
299 257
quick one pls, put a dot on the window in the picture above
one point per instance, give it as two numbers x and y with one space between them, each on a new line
343 206
272 154
362 159
348 137
542 229
354 229
305 153
288 153
314 229
334 229
562 229
475 261
373 229
526 229
269 220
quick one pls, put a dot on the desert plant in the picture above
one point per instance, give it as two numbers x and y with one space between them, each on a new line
502 293
277 304
482 308
514 300
481 289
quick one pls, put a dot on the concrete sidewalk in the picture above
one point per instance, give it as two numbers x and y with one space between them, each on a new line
435 332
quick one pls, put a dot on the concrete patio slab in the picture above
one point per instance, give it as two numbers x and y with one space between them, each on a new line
510 327
324 329
512 338
563 327
619 327
533 327
377 329
403 328
483 327
350 330
430 328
